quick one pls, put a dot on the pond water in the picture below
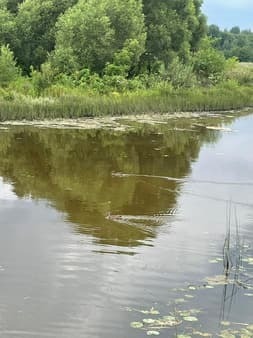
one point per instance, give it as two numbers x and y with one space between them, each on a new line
101 229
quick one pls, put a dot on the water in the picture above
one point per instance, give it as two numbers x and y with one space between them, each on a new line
98 226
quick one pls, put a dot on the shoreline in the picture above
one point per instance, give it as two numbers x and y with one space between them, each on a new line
120 123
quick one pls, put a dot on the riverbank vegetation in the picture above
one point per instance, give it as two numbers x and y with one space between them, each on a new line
74 58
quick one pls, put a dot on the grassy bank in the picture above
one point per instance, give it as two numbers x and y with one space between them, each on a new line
74 104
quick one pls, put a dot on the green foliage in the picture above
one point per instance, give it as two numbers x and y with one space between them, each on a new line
234 42
74 103
12 5
174 29
8 69
7 27
209 64
181 75
104 46
93 33
42 79
242 73
35 22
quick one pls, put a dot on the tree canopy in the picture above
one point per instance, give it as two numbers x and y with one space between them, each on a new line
233 42
112 37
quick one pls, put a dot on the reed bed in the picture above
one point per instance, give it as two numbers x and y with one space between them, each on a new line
165 100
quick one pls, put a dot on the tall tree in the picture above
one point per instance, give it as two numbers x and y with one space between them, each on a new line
174 28
93 31
35 23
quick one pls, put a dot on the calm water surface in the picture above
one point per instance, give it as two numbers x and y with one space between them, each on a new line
97 227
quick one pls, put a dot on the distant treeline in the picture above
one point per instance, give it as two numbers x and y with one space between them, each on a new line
233 42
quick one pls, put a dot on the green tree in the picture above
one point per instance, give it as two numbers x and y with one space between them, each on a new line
36 30
93 33
234 42
7 27
209 63
8 68
174 28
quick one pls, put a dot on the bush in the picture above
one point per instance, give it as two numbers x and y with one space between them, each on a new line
181 75
42 79
8 69
242 73
209 64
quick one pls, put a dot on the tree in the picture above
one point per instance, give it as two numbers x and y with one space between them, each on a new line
209 63
8 68
235 30
91 33
174 28
36 30
7 27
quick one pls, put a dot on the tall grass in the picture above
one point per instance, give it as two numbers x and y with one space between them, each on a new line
76 103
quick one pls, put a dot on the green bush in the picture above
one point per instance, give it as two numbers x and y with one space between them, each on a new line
209 64
8 69
181 75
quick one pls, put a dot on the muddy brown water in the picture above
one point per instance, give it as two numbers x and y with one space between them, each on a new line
102 228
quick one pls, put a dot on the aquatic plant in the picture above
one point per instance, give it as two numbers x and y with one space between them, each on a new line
163 100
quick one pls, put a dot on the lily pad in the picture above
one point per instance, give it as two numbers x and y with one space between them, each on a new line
225 323
217 280
180 300
136 325
153 333
213 261
190 319
149 320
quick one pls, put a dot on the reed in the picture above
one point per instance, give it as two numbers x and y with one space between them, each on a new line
78 103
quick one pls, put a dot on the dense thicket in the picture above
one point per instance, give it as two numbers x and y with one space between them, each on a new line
233 42
94 32
91 33
98 43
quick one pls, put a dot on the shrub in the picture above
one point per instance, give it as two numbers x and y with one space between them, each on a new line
181 75
209 64
8 69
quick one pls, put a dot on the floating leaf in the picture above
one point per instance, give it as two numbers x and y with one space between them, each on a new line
169 318
148 321
136 325
154 311
248 294
213 261
217 280
191 319
153 333
202 334
227 334
183 336
225 323
179 300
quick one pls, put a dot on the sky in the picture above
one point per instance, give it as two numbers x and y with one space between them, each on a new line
229 13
